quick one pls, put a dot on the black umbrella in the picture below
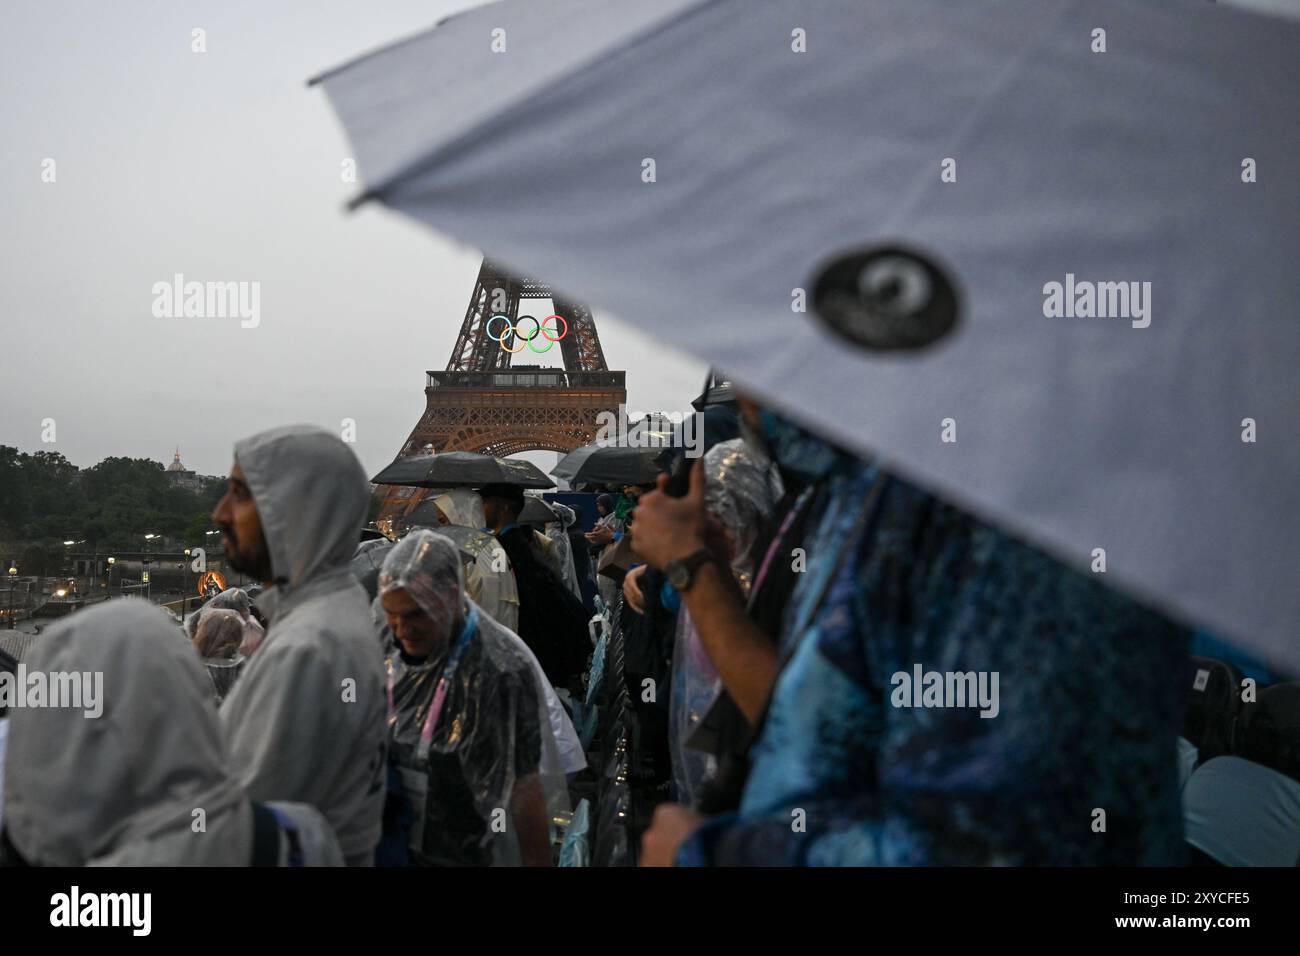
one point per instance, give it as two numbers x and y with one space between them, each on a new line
367 561
568 466
721 393
536 511
423 515
610 465
453 469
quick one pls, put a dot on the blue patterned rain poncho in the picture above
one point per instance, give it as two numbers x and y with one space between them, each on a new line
1074 766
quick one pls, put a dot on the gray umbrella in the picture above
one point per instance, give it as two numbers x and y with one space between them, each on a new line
1038 255
455 469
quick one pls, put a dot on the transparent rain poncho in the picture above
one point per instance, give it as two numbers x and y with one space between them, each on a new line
468 722
218 638
741 491
233 599
559 533
489 579
568 744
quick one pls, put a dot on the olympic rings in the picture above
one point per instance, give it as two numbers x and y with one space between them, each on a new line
514 330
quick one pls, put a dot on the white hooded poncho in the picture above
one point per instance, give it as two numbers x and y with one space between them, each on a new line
124 788
489 579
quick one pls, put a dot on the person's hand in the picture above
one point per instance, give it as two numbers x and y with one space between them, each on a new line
671 826
669 528
632 589
600 535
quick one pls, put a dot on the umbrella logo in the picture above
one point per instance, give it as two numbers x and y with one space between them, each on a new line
886 299
538 328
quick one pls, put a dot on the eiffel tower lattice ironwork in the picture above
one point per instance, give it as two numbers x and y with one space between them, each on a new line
486 402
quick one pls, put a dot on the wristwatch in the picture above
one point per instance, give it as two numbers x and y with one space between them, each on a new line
681 571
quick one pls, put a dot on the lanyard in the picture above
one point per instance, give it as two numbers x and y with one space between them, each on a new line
440 693
777 540
855 535
858 532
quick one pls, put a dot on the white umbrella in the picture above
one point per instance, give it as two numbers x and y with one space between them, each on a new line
917 171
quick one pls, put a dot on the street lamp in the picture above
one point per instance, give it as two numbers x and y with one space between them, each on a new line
13 577
68 561
145 589
112 561
185 583
211 546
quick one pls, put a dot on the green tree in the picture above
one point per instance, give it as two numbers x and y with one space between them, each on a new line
15 494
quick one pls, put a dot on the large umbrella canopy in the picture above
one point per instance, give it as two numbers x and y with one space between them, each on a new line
423 515
721 394
454 469
536 511
568 465
902 222
609 465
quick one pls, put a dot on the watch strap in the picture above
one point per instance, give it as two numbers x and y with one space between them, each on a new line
691 563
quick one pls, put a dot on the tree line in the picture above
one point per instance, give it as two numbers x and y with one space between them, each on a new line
46 500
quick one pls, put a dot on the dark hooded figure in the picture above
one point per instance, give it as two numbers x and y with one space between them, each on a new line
552 621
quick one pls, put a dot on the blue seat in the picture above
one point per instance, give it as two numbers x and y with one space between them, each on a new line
1187 758
586 712
576 850
1240 813
596 675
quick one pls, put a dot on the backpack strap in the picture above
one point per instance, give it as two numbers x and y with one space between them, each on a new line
266 837
268 824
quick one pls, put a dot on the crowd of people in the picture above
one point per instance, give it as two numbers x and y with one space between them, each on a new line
410 702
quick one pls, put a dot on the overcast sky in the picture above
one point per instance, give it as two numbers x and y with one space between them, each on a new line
220 166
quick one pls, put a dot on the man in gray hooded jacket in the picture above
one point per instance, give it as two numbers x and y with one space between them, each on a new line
306 720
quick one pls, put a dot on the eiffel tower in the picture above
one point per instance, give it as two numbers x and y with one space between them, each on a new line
486 402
